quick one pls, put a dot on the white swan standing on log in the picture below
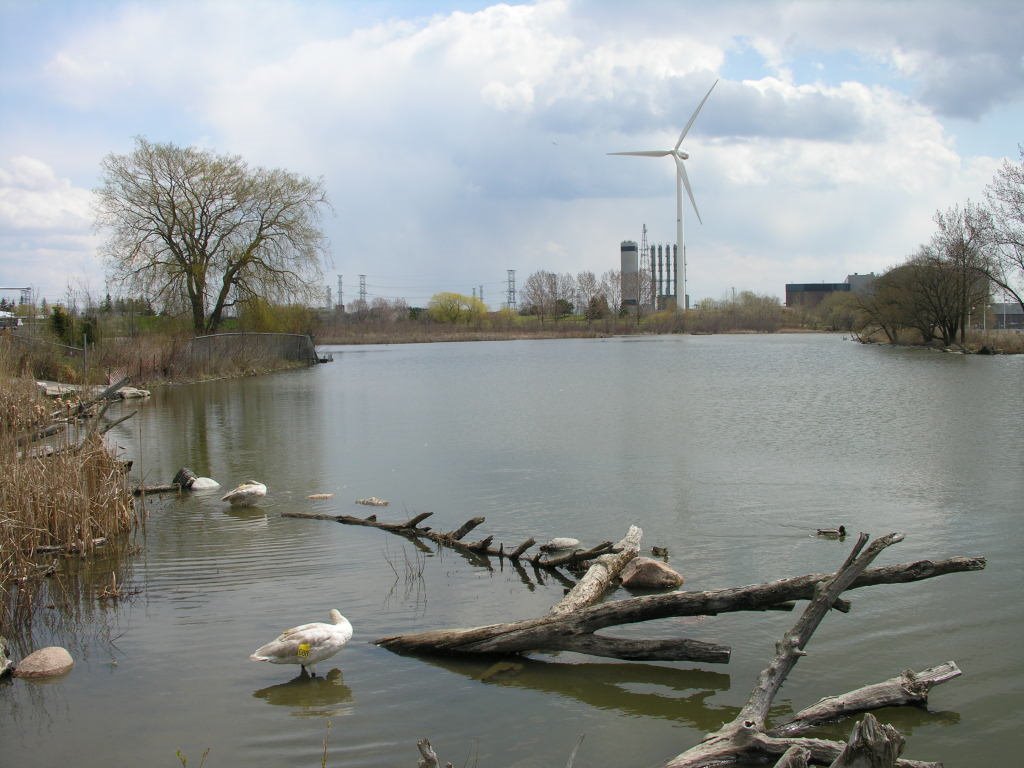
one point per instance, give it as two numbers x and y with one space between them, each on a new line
307 644
247 494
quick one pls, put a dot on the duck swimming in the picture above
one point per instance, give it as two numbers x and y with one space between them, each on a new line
833 533
307 644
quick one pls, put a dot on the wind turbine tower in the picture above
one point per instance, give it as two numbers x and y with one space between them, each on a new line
678 156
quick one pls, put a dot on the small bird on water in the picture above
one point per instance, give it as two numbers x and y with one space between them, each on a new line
307 644
833 533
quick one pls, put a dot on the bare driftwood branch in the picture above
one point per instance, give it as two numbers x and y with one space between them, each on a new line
428 757
561 629
412 529
75 546
574 631
141 490
794 757
599 576
744 738
871 745
907 688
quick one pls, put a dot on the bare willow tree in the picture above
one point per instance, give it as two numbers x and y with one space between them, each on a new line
957 247
1005 220
198 232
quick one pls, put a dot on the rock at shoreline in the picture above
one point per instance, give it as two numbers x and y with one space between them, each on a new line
648 573
46 662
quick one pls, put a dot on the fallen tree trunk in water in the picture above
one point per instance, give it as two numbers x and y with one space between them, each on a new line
907 688
574 630
746 739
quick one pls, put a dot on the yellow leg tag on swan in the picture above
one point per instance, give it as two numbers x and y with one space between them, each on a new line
303 650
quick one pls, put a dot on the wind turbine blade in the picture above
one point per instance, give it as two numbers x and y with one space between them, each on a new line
694 115
645 153
686 183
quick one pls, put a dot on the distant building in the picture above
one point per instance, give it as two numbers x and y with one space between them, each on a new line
861 283
1006 314
811 294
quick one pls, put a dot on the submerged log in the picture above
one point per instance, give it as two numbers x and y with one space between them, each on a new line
142 490
72 546
411 528
572 631
907 688
745 739
566 627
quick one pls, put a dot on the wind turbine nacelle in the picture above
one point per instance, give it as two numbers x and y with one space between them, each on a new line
682 155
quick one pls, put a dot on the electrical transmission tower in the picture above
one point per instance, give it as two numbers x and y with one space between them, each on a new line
362 290
510 297
646 267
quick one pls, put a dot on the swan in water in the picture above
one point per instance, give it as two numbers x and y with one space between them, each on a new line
187 479
247 494
307 644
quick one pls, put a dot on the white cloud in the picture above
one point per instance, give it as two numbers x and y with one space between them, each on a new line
33 198
45 229
457 145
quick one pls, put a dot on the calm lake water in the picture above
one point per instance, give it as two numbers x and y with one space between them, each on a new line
728 450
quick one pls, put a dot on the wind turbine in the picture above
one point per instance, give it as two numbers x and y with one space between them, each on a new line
681 181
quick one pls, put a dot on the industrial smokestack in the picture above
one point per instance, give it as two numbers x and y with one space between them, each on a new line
630 274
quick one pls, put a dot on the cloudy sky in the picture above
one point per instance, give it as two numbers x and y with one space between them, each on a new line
458 140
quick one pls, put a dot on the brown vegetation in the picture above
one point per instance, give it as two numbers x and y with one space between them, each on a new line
146 359
65 493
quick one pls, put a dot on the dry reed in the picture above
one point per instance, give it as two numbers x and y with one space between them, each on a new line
67 493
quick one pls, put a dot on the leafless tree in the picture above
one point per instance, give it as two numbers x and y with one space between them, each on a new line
611 287
1004 217
587 290
194 230
958 248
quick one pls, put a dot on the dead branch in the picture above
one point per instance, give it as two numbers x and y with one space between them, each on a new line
794 757
428 757
599 576
142 490
871 745
574 631
744 738
907 688
412 529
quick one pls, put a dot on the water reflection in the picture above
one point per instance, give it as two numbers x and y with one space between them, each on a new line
253 517
905 719
642 690
325 696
